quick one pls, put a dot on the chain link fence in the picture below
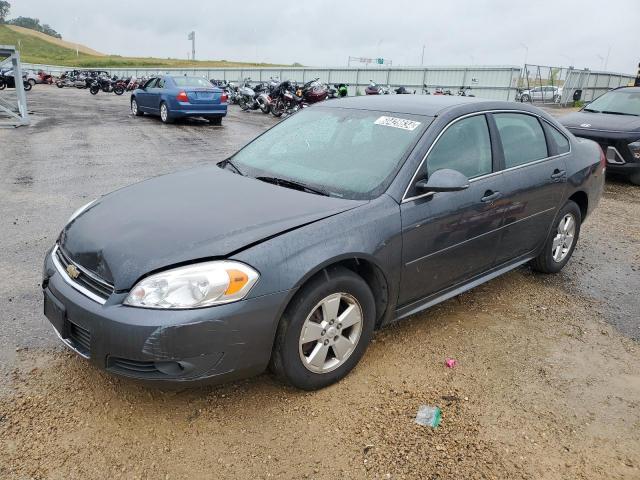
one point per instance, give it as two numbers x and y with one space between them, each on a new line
563 86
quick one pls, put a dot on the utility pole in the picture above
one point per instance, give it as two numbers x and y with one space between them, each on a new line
192 37
422 59
606 62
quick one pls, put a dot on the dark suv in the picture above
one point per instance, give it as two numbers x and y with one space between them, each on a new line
613 120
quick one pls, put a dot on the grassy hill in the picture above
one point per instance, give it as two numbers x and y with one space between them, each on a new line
36 47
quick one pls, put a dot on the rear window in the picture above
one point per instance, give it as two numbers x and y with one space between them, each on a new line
562 144
191 82
523 139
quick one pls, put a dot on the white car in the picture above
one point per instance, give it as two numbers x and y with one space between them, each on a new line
546 93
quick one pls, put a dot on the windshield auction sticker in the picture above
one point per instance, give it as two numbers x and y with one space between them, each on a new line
397 123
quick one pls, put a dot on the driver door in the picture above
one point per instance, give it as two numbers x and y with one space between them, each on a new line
450 237
144 95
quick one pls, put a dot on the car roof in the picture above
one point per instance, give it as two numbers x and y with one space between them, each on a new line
427 105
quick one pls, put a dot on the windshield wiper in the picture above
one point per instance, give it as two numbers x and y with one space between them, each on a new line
621 113
229 163
590 110
284 182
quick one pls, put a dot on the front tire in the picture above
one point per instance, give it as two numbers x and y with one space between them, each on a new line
525 98
635 178
325 330
561 242
94 90
32 82
118 90
27 86
135 109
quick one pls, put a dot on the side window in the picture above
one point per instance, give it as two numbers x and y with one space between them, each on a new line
160 83
562 144
465 146
522 138
151 83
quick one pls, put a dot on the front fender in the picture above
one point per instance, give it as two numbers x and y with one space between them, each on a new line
371 233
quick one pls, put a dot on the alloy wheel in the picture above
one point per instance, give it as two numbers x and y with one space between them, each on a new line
134 107
563 240
164 113
330 333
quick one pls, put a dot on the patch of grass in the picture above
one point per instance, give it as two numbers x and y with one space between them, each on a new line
37 50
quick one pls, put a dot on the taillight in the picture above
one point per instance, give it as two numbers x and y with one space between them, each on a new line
182 97
603 160
223 98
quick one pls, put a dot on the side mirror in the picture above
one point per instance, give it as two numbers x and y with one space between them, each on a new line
445 180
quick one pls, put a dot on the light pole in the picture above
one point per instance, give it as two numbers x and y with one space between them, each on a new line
526 53
601 61
192 37
422 59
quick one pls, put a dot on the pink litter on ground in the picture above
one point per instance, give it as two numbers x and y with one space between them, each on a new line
450 362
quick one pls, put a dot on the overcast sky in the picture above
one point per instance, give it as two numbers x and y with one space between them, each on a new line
325 33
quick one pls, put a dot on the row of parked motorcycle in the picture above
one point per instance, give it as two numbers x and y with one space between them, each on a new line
98 81
286 97
7 80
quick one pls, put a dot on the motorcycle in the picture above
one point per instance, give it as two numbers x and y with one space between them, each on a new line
7 80
375 89
403 91
465 92
107 85
339 90
313 91
285 99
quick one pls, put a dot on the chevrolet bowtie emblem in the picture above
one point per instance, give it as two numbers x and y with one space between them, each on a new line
73 271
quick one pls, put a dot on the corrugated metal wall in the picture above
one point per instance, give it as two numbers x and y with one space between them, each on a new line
592 84
497 83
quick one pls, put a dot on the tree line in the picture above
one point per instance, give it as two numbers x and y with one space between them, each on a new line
26 22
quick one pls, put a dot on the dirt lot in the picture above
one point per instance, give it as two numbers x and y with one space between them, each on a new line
547 385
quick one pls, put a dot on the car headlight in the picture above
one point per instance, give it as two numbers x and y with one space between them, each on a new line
80 210
635 149
194 286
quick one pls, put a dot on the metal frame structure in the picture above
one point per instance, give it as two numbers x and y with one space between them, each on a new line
15 109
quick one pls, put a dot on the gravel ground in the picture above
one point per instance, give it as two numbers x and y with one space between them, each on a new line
547 384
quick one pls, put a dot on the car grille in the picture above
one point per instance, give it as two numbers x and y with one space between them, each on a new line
134 368
85 280
81 338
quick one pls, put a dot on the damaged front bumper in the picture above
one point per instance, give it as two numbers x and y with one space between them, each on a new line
214 344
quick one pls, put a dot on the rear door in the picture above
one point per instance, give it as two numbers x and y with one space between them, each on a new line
450 237
535 179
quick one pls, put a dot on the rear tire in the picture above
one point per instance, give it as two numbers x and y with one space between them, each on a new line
635 178
525 98
118 90
59 85
165 114
32 82
94 90
3 85
325 330
277 108
562 240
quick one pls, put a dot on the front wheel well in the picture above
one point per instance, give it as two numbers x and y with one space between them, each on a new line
582 200
370 273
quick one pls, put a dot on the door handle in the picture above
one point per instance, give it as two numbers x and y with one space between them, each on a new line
558 174
490 196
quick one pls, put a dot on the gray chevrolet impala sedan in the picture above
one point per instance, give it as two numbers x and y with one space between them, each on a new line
289 254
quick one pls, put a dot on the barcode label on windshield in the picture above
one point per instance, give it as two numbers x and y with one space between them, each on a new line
402 123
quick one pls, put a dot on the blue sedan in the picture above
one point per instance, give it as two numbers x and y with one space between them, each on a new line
174 97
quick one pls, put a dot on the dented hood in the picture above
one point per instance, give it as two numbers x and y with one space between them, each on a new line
195 214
